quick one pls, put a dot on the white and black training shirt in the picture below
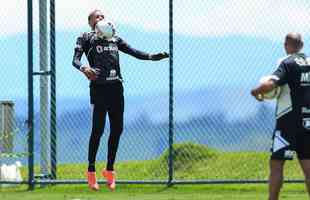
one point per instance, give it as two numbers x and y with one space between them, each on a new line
293 76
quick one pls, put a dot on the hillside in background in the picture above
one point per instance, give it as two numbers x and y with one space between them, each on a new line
216 123
212 105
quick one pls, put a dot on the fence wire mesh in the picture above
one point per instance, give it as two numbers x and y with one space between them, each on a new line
221 49
145 88
13 87
221 131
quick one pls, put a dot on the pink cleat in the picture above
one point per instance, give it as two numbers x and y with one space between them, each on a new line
110 177
92 181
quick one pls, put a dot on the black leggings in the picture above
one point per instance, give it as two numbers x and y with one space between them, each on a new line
106 99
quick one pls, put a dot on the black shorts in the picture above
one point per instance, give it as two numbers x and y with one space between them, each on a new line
288 140
109 94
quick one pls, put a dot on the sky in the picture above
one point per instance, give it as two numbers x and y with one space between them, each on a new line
226 21
217 42
209 28
261 18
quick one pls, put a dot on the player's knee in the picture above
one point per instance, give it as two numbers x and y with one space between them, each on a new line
276 175
96 135
120 129
276 171
117 131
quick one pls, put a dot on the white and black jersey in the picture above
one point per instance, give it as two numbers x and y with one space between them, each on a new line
293 106
293 76
103 54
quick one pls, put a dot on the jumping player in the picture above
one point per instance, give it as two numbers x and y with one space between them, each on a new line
106 91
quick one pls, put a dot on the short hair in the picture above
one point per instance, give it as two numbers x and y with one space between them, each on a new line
295 40
91 13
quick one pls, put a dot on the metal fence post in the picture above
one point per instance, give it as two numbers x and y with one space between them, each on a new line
53 122
30 96
43 88
171 120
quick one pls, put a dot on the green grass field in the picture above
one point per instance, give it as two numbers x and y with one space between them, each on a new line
143 192
192 162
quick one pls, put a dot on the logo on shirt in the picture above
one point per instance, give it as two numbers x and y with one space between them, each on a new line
305 79
101 49
305 110
306 123
112 73
110 48
302 61
112 76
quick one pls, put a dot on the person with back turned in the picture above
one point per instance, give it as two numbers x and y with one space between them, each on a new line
292 131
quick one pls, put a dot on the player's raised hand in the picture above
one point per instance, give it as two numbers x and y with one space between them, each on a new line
159 56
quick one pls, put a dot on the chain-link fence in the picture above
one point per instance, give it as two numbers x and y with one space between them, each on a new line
220 49
13 87
146 99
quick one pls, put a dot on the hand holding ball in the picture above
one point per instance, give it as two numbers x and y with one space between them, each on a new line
273 94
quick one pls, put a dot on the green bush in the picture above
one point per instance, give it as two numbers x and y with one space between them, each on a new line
186 154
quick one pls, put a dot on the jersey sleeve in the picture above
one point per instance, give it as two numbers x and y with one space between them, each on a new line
79 49
280 75
126 48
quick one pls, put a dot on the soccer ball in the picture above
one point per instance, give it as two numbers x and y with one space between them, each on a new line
105 29
273 94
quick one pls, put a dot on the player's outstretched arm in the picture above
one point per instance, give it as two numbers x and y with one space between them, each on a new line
124 47
159 56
